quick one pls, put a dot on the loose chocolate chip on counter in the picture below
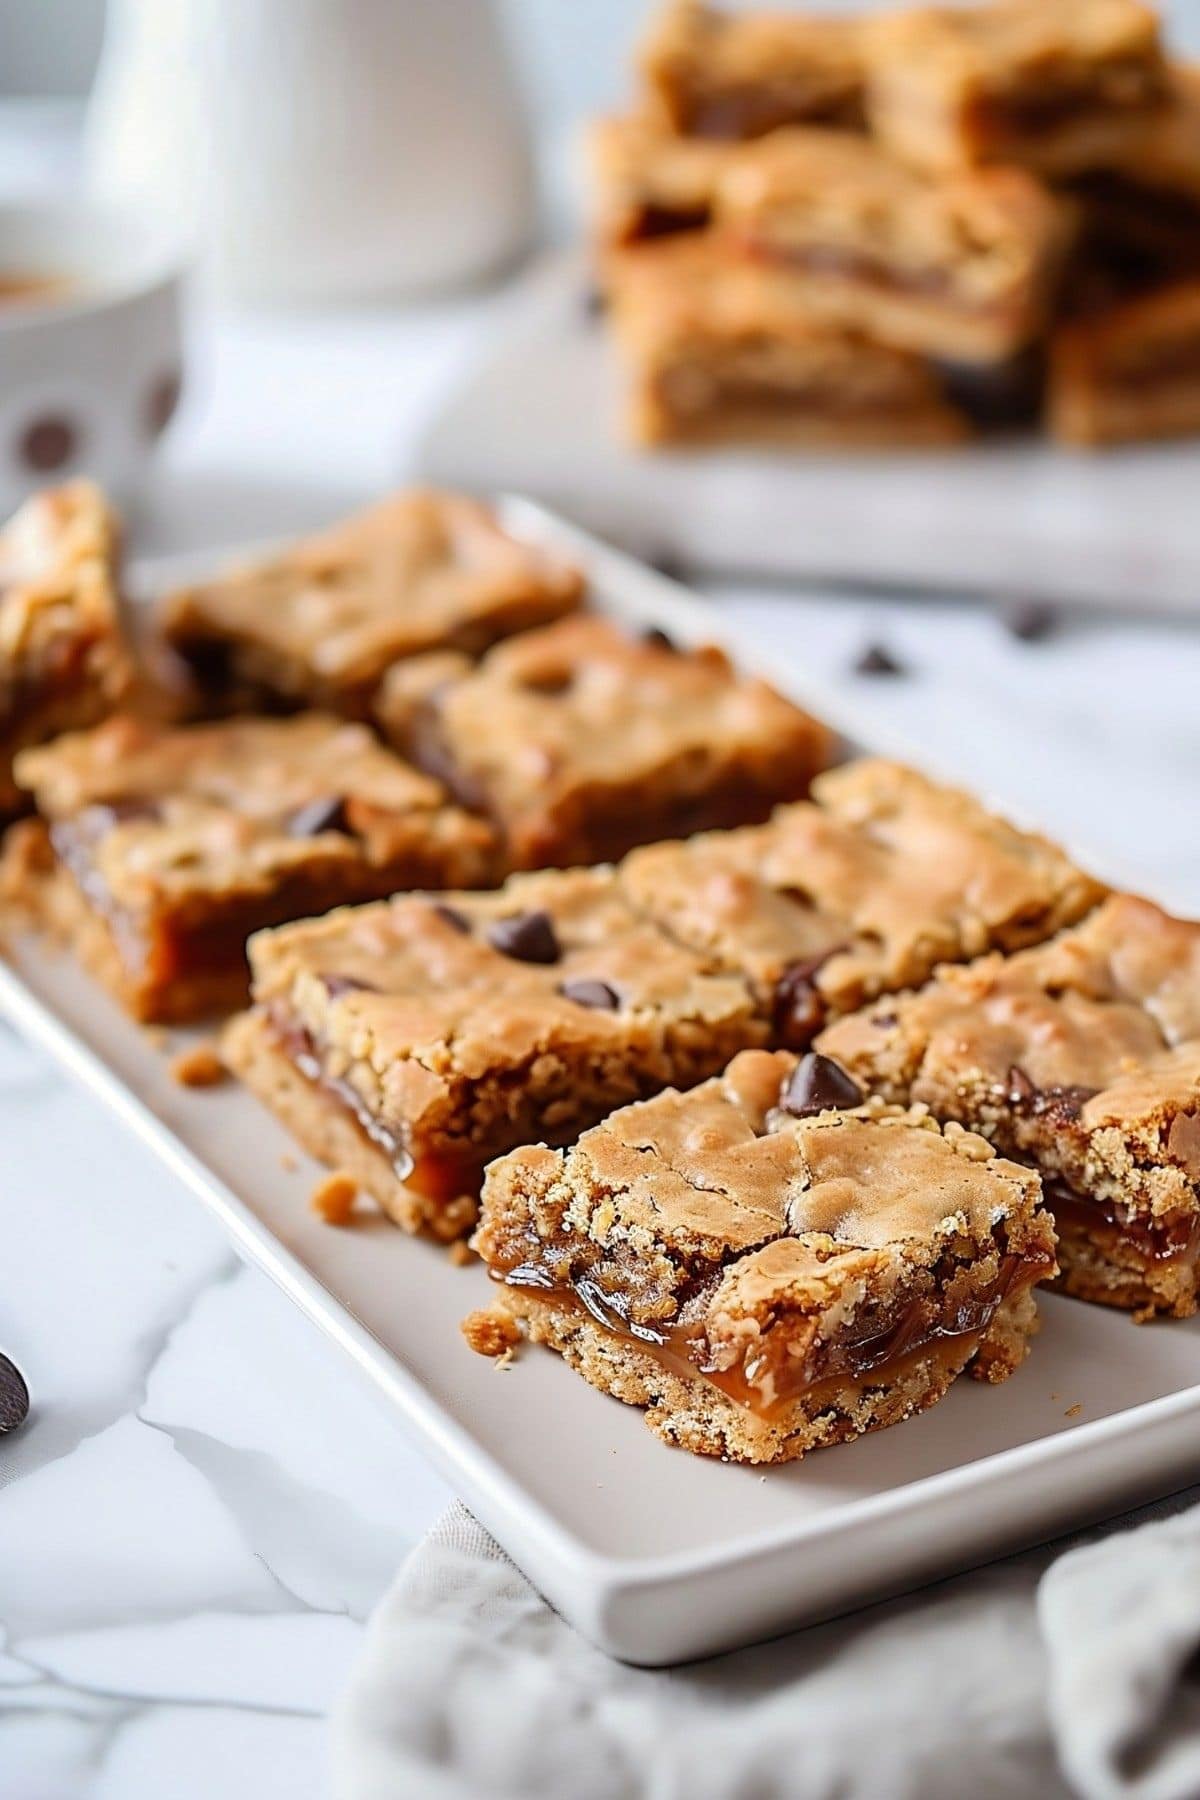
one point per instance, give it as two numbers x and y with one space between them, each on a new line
48 443
347 984
818 1084
596 994
14 1396
527 937
877 659
328 814
670 564
799 1006
451 916
1030 620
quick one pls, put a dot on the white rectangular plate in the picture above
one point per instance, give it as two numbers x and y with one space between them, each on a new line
656 1555
1112 531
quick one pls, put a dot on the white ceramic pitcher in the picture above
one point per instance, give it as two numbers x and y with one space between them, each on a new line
318 149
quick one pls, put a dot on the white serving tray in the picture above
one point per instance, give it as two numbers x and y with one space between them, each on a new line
1113 531
655 1555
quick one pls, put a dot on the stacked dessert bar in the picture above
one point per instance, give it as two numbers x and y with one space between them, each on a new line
771 1086
905 228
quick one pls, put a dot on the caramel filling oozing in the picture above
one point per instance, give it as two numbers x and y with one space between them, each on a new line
769 1380
1150 1242
438 1178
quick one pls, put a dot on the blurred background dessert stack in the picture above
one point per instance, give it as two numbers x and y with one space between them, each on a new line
904 228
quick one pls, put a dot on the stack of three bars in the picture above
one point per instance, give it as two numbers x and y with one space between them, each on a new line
855 232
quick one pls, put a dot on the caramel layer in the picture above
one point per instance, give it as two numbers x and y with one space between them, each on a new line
769 1381
1152 1242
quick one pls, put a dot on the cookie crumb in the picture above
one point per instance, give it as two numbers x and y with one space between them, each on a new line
199 1067
492 1332
1073 1412
333 1199
287 1162
460 1253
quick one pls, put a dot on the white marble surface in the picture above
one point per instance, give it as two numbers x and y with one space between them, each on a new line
205 1504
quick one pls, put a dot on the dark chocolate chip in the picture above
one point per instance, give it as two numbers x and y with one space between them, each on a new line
1021 1090
527 937
328 814
1031 620
657 638
14 1396
818 1084
799 1006
48 443
162 397
877 659
1061 1105
596 994
450 915
347 984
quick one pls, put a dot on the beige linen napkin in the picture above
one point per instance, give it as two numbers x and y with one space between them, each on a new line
982 1686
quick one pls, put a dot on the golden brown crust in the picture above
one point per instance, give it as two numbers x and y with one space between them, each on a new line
648 182
959 267
1055 88
719 347
720 74
597 740
883 875
319 623
63 660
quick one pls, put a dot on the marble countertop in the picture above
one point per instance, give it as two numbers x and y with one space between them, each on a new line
205 1503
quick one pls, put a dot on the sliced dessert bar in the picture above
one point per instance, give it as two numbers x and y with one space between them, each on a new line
174 844
962 268
599 738
412 1041
63 663
1142 213
772 1262
719 349
319 623
1083 1057
864 891
1128 371
1058 88
717 74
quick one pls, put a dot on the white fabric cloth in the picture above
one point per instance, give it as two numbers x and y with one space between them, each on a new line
986 1685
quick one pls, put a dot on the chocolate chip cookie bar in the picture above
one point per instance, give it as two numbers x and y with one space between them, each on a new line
861 892
716 74
321 622
1128 371
773 1262
599 738
1083 1058
173 844
719 349
1056 88
963 267
63 662
412 1041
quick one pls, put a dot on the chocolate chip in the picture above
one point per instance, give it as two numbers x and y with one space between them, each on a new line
818 1084
1021 1090
657 638
48 443
799 1005
527 937
450 915
670 564
328 814
347 984
14 1396
877 659
596 994
1031 620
